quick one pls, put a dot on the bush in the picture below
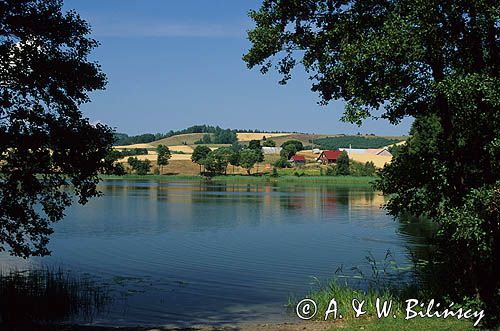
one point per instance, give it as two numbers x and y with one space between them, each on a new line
282 163
140 167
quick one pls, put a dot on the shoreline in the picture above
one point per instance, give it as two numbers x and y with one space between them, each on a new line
286 326
341 180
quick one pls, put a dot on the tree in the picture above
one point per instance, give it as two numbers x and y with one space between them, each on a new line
248 158
234 158
113 167
369 169
288 151
295 143
282 163
343 164
216 162
269 143
433 60
255 145
141 168
200 153
163 155
45 142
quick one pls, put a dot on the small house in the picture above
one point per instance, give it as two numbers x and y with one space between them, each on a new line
329 157
298 160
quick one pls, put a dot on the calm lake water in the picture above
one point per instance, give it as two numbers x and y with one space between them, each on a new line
189 252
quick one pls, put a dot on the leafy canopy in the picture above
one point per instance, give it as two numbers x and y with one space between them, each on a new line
45 142
164 155
436 61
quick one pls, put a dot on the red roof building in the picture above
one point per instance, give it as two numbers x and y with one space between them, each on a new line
329 157
298 159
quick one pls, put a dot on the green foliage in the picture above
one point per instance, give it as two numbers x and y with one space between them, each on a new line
362 169
255 145
141 168
288 151
206 139
282 163
214 165
331 171
163 155
45 142
199 154
274 173
295 143
343 164
224 136
219 136
113 167
435 61
269 143
248 158
122 139
334 143
395 149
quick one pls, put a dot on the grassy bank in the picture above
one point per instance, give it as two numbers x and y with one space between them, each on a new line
340 180
395 320
400 324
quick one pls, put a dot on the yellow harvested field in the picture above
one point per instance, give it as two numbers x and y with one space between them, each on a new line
244 136
181 148
378 160
181 157
134 146
150 157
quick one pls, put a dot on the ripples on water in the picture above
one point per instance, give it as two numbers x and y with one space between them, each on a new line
188 252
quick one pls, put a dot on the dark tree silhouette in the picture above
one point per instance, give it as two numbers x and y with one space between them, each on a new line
45 142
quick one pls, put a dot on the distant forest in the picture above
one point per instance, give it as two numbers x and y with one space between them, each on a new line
122 139
354 141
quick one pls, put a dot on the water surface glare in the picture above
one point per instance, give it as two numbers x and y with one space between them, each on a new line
190 252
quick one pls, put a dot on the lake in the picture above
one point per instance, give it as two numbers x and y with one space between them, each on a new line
180 252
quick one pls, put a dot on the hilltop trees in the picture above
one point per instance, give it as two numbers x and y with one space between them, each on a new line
163 155
433 60
45 142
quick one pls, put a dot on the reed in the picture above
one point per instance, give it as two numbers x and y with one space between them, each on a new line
44 296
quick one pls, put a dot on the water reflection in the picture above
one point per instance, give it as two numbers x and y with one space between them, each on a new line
225 252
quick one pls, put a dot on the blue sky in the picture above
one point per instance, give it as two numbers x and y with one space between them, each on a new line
172 64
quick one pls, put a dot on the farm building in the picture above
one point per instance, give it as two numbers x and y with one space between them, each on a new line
271 150
298 160
329 157
369 151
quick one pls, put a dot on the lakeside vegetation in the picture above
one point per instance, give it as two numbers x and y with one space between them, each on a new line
343 180
45 296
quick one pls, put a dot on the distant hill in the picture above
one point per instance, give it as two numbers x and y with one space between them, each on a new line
321 141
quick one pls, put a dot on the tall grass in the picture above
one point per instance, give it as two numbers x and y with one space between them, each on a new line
43 296
384 280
